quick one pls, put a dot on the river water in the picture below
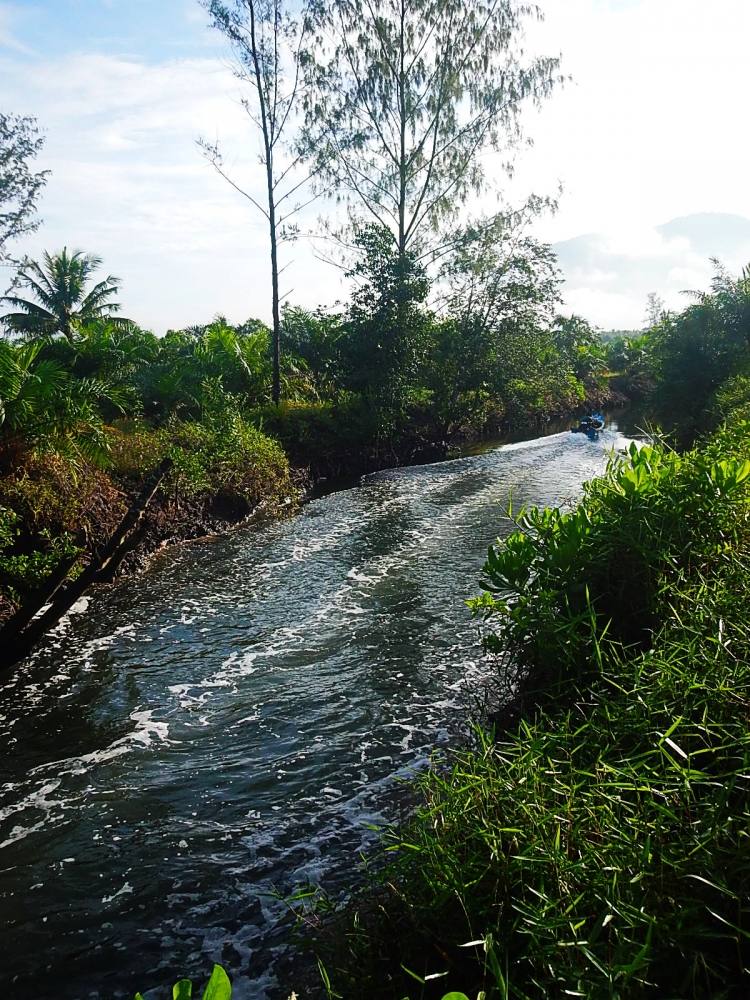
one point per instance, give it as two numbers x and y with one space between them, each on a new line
228 725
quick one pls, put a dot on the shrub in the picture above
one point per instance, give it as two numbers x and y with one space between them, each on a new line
135 449
47 509
225 455
320 434
22 571
653 521
50 493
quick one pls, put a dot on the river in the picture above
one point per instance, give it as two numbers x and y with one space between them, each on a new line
229 724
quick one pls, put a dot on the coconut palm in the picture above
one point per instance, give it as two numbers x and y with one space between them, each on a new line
62 303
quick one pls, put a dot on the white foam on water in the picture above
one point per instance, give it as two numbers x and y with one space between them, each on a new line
39 800
36 800
126 890
146 734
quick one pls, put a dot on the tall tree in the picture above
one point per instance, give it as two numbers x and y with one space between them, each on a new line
268 44
409 95
20 185
655 309
61 303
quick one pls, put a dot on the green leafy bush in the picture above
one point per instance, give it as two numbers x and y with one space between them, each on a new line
48 508
226 455
563 580
320 434
695 352
21 571
135 448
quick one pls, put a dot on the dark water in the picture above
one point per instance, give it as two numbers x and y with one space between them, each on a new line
229 724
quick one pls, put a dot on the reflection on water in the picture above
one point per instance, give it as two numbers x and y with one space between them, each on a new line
228 724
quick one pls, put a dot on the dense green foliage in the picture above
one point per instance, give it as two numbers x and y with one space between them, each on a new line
44 407
87 411
695 352
682 360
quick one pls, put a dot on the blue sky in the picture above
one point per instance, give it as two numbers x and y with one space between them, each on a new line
146 29
651 129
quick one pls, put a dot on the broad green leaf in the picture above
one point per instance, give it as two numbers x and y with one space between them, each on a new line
218 987
182 990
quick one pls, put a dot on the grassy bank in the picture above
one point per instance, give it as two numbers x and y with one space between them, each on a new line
598 845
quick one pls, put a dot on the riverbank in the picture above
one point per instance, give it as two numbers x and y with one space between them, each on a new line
596 845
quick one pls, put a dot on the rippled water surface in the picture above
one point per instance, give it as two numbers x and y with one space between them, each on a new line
229 723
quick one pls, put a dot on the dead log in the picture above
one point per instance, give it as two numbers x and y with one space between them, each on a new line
103 560
108 572
43 594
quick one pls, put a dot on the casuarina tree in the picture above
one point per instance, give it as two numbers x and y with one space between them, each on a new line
408 95
267 41
20 185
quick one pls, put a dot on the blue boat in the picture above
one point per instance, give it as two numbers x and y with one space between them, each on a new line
590 426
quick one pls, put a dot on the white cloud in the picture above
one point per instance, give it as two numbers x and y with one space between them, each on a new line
649 129
608 276
597 305
128 182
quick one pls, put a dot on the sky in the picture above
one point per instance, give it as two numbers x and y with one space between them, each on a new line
647 139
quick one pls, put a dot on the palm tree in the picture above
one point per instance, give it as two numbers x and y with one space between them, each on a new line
62 303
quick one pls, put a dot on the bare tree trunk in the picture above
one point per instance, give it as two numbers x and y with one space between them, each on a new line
276 386
268 150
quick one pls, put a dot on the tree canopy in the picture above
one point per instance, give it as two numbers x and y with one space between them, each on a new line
408 95
20 185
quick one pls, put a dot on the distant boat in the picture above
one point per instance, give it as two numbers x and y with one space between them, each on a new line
590 425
